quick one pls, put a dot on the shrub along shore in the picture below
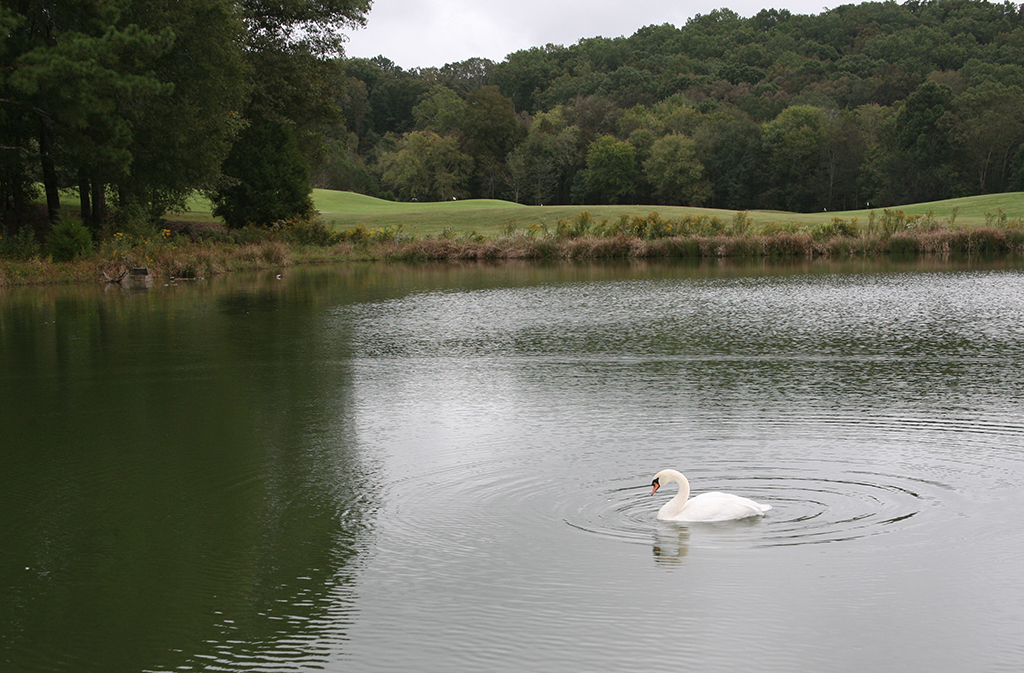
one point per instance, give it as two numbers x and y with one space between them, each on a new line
894 233
187 250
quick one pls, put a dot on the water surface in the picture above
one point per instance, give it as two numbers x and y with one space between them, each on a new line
443 468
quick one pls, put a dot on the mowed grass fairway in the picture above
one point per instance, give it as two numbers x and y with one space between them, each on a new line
492 217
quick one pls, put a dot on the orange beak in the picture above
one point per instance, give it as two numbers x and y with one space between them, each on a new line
656 487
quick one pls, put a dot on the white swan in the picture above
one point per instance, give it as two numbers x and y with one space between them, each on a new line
705 507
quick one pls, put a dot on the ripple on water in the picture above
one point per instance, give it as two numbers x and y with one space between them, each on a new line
825 497
814 504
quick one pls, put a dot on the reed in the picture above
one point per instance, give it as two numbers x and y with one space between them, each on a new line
193 251
677 247
787 244
944 242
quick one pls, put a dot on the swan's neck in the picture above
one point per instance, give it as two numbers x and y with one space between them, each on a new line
676 504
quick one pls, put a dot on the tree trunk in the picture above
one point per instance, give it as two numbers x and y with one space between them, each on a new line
85 199
17 215
99 203
49 169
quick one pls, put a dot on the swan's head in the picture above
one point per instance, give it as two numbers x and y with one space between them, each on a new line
664 477
658 479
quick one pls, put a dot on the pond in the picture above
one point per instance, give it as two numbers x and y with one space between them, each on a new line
447 468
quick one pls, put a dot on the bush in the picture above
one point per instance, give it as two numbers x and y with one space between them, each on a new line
250 235
393 234
22 246
699 225
776 228
68 240
894 220
575 227
313 231
269 177
741 224
837 227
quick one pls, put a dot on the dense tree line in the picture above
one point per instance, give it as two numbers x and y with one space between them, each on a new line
138 103
879 103
135 105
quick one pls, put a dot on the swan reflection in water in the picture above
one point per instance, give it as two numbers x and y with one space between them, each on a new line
671 545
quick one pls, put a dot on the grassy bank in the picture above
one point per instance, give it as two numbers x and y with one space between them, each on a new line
990 225
491 218
355 227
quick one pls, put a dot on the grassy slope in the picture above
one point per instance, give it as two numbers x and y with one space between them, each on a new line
489 217
345 210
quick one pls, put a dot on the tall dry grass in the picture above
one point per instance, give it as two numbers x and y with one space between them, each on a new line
954 243
188 254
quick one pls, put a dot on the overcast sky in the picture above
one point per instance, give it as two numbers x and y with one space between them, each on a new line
423 33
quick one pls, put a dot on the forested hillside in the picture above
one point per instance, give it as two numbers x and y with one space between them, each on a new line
135 105
875 103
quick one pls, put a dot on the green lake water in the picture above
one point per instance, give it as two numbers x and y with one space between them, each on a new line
442 468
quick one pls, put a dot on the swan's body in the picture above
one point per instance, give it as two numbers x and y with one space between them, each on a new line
705 507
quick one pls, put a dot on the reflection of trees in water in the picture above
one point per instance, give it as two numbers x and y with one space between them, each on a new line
671 545
178 479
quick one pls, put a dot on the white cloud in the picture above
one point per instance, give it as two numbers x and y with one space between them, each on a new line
422 33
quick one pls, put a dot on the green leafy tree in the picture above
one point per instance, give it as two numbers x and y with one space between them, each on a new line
842 155
675 172
923 132
72 75
269 177
643 141
544 166
130 98
534 170
315 26
391 94
68 240
461 76
182 135
730 147
426 166
440 110
880 175
794 143
594 115
919 121
630 86
491 130
520 176
297 88
987 129
17 181
611 171
143 99
524 75
726 81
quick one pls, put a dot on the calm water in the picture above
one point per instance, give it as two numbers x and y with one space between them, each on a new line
443 469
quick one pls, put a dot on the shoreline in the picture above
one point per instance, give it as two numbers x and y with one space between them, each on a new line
172 258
